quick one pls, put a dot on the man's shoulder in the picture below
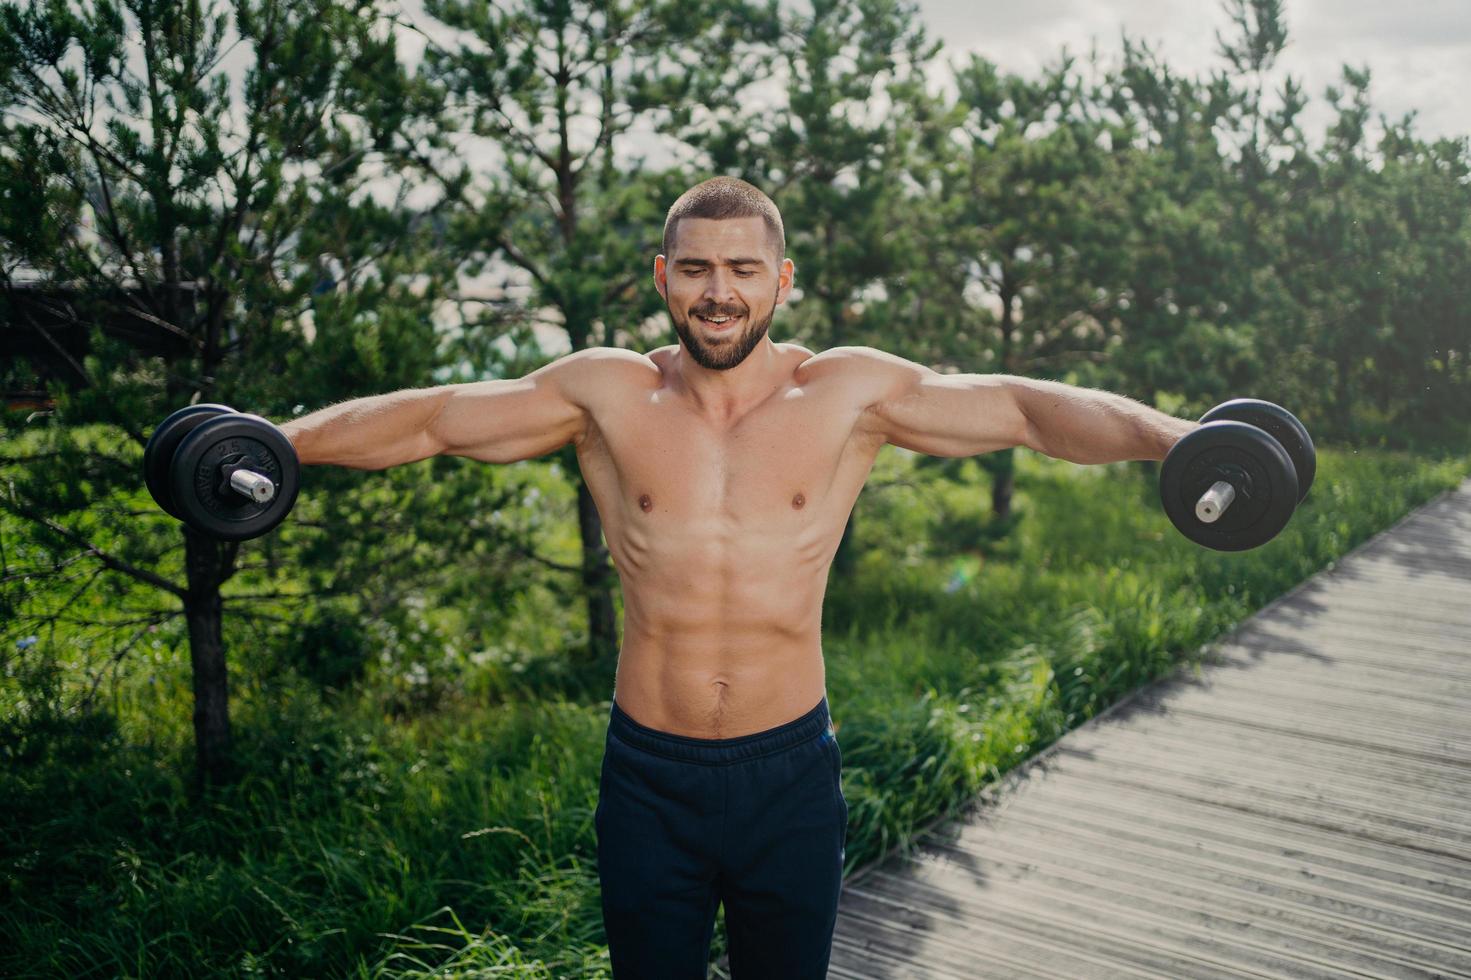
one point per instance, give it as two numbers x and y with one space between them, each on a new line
865 378
592 374
863 369
868 369
603 360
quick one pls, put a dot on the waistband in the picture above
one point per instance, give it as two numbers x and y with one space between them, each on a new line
718 751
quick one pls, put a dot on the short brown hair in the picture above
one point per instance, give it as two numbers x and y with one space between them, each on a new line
726 197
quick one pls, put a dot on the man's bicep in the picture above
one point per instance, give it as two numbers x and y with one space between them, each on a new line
509 419
920 409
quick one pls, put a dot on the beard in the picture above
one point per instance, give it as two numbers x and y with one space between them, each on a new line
727 349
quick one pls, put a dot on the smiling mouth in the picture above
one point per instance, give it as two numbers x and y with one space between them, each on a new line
719 321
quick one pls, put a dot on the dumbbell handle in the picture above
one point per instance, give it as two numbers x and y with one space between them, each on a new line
1213 503
251 484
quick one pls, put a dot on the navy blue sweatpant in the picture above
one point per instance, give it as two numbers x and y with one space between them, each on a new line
757 822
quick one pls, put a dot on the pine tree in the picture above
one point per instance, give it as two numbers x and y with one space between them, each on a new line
554 90
169 230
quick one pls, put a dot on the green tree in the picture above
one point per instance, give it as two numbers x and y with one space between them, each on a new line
1179 322
1030 228
830 157
1379 262
555 89
186 229
1423 375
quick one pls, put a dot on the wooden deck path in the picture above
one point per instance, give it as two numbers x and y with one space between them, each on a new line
1302 808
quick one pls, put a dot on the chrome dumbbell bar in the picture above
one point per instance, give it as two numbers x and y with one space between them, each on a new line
251 484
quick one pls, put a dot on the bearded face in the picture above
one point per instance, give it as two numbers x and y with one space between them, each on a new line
722 286
720 346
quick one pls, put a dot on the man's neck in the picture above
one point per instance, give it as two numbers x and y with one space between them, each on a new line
723 396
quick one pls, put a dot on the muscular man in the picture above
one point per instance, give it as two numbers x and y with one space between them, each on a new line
724 468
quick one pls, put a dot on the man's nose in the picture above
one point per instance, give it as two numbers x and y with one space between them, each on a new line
720 286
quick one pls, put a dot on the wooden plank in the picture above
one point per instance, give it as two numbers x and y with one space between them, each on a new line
1325 700
1422 749
1376 727
1222 738
1380 577
1332 870
1325 774
1406 644
1327 643
1397 613
903 927
1248 930
1207 867
1431 830
1367 680
1065 943
1441 604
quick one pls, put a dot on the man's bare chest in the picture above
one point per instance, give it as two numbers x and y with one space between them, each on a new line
781 466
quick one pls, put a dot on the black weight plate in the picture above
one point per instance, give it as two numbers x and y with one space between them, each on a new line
1250 459
1281 425
199 484
158 454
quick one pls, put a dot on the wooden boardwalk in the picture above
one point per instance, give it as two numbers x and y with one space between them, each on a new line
1299 807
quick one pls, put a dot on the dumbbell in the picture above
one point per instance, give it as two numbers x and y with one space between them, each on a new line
1233 483
227 474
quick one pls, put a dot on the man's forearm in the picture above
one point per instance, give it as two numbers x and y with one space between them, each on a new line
368 433
1084 425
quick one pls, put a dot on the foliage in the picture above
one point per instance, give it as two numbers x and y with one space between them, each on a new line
376 844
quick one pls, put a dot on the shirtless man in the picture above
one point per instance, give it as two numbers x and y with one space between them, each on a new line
724 468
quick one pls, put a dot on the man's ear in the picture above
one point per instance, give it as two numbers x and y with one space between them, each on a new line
661 273
785 277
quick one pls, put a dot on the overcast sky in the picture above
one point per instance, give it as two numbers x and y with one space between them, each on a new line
1418 51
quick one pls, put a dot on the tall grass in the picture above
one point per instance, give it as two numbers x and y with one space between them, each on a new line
459 842
962 676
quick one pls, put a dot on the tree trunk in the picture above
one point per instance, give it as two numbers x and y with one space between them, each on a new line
1003 482
597 584
846 559
1003 464
598 575
205 564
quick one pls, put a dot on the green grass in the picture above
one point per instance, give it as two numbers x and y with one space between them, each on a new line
459 841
